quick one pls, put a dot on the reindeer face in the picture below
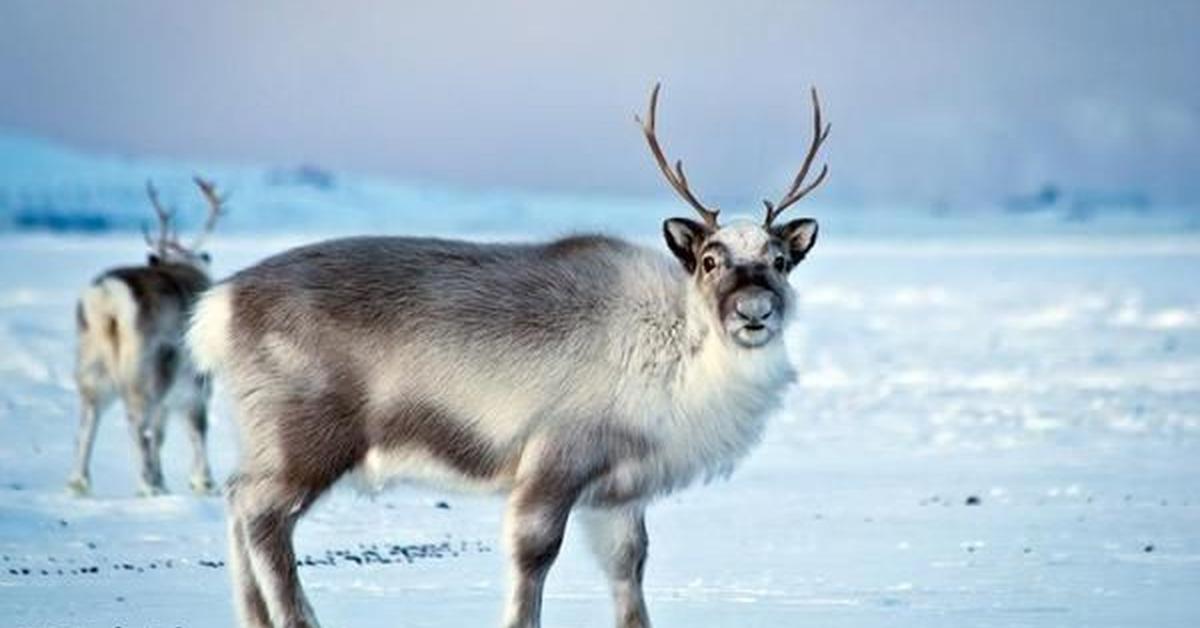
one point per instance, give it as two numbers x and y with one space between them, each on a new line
741 267
741 270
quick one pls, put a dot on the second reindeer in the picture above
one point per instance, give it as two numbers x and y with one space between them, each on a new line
130 323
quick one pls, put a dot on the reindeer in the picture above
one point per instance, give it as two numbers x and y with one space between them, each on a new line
130 324
585 375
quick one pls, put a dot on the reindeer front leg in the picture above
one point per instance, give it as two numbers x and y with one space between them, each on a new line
533 528
142 414
618 538
197 420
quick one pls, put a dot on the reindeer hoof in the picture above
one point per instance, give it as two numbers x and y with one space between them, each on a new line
152 490
79 486
204 486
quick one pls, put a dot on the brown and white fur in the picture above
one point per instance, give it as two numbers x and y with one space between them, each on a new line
584 375
130 324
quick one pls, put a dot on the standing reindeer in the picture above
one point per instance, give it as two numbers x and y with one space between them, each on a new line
130 323
586 374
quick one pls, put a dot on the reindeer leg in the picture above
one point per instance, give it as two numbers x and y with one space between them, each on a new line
248 599
197 420
95 395
92 405
267 509
141 415
534 525
618 539
157 428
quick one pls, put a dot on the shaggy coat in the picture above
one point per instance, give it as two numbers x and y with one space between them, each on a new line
130 324
584 373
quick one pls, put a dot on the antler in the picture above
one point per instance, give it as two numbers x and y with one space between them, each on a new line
165 238
798 189
675 177
168 238
216 208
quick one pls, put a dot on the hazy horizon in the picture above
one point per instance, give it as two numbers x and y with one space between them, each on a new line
930 102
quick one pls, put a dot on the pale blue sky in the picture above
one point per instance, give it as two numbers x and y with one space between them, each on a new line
929 100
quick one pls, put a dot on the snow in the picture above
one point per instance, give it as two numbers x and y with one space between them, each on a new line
45 186
1054 383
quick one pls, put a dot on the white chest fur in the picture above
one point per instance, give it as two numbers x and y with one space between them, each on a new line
713 412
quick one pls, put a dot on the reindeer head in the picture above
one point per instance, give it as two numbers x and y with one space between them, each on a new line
166 248
741 269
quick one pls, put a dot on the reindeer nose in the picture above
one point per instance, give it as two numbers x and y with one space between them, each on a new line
755 307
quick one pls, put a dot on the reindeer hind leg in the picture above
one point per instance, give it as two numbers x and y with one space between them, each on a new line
93 401
265 509
96 394
248 599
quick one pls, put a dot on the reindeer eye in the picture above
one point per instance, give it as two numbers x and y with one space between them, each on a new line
709 263
780 264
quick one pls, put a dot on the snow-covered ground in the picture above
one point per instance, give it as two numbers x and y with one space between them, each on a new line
989 433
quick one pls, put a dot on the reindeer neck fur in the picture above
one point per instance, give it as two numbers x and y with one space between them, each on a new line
703 398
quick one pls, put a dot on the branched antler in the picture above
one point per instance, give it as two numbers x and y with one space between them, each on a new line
798 189
168 238
216 208
675 177
165 239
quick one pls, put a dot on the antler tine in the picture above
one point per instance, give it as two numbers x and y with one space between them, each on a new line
675 177
798 190
164 217
216 208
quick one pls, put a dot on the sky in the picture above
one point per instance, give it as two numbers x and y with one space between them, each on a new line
931 101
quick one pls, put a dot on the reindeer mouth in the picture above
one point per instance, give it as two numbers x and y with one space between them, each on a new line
752 335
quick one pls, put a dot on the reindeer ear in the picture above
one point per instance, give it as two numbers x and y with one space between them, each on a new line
684 238
800 235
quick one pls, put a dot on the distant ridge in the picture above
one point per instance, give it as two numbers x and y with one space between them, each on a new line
47 187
